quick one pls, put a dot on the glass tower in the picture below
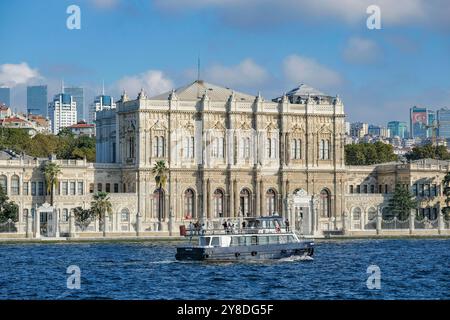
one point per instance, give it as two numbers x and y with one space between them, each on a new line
5 96
37 100
77 94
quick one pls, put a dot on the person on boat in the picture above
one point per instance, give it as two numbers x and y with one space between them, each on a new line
202 229
277 226
286 223
191 230
225 226
243 224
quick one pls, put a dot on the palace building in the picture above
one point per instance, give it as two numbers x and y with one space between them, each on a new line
229 155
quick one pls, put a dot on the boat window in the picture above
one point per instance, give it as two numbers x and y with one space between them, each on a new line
248 241
235 241
215 241
204 241
226 241
273 239
291 239
254 240
283 239
263 240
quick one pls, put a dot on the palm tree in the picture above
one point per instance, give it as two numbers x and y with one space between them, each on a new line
101 206
160 171
51 172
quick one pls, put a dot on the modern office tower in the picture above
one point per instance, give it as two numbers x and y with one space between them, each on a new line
397 128
359 129
5 96
62 111
418 118
37 100
101 102
374 130
431 121
77 94
443 122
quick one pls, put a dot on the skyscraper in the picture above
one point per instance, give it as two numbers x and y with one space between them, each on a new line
101 102
77 94
418 118
5 96
398 128
37 100
62 111
443 121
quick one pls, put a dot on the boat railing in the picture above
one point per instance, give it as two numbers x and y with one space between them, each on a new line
234 231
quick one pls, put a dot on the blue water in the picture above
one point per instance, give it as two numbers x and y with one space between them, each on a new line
410 269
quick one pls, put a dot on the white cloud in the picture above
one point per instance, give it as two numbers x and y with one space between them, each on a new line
298 69
361 50
12 75
245 74
152 81
248 12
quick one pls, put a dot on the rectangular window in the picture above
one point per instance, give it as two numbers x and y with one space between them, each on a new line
80 188
25 188
422 190
358 188
351 188
65 215
65 188
365 188
99 187
33 188
372 188
415 189
385 188
116 187
108 187
15 188
72 188
41 188
91 188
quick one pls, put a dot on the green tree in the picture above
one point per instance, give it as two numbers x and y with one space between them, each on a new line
446 182
428 151
8 209
51 172
84 217
369 153
161 172
401 202
100 207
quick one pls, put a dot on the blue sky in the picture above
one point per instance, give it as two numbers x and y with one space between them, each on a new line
252 45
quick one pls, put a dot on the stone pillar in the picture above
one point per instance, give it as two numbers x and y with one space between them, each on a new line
72 229
379 217
204 201
412 217
208 199
344 224
261 197
236 199
56 224
138 224
37 223
29 233
257 193
440 220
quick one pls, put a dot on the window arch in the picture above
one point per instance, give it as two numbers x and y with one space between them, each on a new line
15 187
189 212
218 203
271 201
158 146
325 203
296 151
356 218
324 149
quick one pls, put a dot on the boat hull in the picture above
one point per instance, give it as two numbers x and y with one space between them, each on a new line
242 253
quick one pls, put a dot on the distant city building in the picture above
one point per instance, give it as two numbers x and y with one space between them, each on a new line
83 129
100 103
418 118
77 94
37 100
398 128
443 122
378 131
62 111
5 96
347 128
431 121
408 143
359 129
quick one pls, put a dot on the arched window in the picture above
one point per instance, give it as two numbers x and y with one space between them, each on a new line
244 150
218 203
131 147
325 204
4 183
161 146
356 218
324 150
244 203
124 215
296 149
189 204
271 201
15 189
